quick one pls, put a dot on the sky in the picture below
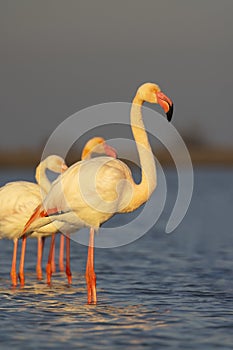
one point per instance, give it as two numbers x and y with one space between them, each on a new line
58 57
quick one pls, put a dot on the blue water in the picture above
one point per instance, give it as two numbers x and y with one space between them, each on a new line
161 292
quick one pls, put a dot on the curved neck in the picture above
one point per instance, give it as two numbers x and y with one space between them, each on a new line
41 177
143 190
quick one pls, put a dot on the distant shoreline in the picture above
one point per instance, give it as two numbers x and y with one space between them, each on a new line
201 156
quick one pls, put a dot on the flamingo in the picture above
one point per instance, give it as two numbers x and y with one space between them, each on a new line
18 200
95 146
91 191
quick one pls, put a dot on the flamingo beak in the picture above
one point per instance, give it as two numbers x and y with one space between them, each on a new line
64 167
166 104
110 151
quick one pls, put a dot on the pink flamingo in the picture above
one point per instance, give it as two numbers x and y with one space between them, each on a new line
91 191
18 201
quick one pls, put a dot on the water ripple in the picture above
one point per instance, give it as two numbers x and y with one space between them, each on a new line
163 291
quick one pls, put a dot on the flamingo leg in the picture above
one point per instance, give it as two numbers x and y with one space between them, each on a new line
48 266
13 266
61 253
40 248
53 265
68 271
22 258
90 272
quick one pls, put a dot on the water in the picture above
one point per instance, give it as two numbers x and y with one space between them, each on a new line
162 291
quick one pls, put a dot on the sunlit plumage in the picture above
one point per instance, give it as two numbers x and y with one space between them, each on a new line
91 191
18 200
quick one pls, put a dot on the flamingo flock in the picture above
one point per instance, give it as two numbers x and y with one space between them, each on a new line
86 194
18 201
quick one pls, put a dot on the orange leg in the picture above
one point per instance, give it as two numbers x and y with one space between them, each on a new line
40 248
53 265
22 258
68 271
90 272
13 266
49 267
61 253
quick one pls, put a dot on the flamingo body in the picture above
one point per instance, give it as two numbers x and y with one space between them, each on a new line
66 201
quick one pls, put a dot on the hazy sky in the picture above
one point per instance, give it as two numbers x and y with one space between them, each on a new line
60 56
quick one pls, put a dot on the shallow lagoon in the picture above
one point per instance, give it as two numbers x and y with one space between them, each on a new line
162 291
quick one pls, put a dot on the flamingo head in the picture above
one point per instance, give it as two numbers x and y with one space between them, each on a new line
97 145
150 92
55 163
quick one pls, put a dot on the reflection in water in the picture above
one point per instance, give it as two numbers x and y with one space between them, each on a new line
61 314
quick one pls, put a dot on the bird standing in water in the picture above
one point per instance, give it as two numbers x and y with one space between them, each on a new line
18 201
90 192
94 147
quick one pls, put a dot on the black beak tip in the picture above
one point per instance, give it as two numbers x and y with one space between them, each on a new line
170 113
